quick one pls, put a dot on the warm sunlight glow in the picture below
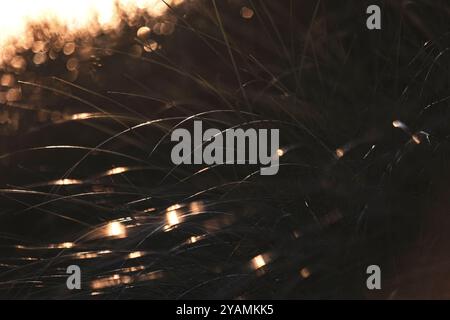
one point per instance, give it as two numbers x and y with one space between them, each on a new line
65 20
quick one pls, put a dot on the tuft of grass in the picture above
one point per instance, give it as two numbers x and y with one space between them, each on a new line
87 178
